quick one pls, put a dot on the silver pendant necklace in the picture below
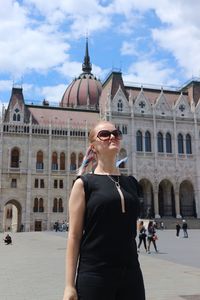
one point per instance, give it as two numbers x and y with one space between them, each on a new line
119 191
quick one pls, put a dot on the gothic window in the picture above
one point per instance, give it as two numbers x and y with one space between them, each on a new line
16 115
35 207
147 141
180 144
55 184
39 161
120 105
13 183
42 183
168 143
139 144
61 184
80 159
73 162
60 207
36 185
41 205
15 158
55 205
160 142
62 161
188 144
124 129
54 165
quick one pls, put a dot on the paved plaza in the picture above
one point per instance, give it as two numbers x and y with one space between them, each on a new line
33 268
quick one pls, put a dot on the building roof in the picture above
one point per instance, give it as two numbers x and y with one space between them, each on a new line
85 90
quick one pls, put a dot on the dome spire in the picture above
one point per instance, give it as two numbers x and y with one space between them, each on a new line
86 66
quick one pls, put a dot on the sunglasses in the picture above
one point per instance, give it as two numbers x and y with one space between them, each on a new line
105 135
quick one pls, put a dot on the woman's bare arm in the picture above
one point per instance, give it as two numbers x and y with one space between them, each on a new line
76 219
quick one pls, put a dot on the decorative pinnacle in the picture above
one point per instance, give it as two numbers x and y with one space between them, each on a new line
86 66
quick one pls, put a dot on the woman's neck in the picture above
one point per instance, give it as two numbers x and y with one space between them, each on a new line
107 169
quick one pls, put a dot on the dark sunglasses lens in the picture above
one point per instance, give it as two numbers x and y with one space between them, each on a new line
104 134
117 134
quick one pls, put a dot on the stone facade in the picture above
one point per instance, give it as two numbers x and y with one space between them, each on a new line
42 146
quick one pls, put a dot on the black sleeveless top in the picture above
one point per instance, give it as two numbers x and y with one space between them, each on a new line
109 234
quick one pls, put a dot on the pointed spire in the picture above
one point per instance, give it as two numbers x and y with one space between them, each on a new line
86 66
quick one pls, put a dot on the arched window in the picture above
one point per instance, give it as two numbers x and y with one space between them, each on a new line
120 105
54 161
139 144
16 115
168 143
62 161
41 205
55 205
14 158
188 144
147 141
160 142
180 144
73 162
80 159
39 161
35 207
60 208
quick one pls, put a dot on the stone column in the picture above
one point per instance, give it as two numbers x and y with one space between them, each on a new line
28 189
49 200
156 205
177 205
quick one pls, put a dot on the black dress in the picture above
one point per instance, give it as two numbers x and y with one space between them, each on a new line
108 247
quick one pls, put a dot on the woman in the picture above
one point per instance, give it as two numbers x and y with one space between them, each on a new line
101 258
142 236
152 237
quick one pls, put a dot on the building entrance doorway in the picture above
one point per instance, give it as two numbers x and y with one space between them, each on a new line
38 225
12 216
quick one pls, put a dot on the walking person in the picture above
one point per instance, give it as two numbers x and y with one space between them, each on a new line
151 236
142 236
185 227
178 228
101 257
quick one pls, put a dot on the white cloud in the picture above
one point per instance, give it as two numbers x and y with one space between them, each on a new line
146 72
53 93
81 16
27 45
72 69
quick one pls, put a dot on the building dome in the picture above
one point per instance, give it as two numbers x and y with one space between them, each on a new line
84 91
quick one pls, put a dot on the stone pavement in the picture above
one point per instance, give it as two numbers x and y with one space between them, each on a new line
33 267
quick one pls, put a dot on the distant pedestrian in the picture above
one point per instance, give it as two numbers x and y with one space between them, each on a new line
8 240
162 226
151 236
178 228
142 236
185 227
56 226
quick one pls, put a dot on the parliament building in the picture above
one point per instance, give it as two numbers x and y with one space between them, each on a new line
41 147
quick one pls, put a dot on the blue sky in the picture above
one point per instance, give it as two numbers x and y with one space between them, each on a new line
42 43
